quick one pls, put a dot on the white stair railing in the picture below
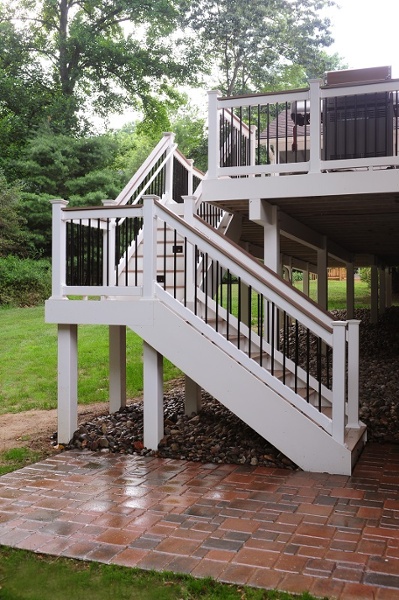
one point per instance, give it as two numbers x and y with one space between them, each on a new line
271 291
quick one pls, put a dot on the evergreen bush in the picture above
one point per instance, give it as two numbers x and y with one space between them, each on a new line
24 282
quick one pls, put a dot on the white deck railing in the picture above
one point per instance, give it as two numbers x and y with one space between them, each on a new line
339 127
93 253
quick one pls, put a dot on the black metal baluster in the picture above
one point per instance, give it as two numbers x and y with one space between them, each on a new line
296 355
307 363
249 320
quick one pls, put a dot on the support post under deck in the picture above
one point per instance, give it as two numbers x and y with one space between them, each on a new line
153 397
117 367
322 279
192 401
67 382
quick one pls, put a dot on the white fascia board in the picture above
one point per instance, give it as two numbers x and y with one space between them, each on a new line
303 186
100 312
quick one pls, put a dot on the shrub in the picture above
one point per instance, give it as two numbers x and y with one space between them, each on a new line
297 275
24 282
365 275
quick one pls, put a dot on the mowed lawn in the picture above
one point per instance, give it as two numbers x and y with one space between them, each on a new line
28 362
28 356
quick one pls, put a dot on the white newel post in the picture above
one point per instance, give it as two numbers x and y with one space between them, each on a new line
169 170
339 380
153 397
213 134
149 246
58 249
67 382
353 373
315 125
190 185
109 239
117 367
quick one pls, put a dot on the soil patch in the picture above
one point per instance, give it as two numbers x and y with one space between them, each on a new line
35 428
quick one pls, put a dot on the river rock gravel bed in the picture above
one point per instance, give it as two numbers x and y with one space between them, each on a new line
216 435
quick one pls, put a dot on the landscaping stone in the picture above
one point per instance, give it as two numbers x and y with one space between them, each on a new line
215 435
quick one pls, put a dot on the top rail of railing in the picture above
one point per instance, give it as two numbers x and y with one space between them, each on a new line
317 129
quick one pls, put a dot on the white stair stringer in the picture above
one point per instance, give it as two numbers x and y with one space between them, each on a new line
267 412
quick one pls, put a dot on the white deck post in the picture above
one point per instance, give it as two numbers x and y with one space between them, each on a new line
190 185
271 237
153 397
213 134
109 268
353 373
149 246
339 380
169 166
322 277
58 249
374 294
350 291
67 382
192 398
315 125
117 367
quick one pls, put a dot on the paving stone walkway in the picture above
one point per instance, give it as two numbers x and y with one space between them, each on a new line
331 535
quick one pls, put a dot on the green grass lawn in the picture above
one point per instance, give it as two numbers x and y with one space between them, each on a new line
28 362
28 355
27 576
337 294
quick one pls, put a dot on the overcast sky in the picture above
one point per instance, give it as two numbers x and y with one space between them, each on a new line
366 33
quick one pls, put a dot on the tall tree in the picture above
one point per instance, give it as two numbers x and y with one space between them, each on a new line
102 56
252 39
24 94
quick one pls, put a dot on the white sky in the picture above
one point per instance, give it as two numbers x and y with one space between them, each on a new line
366 33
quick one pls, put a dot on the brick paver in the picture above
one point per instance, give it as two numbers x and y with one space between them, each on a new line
331 535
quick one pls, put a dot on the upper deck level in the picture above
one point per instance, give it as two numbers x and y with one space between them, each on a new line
327 156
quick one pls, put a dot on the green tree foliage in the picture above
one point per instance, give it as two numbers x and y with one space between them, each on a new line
14 238
24 282
23 92
80 170
252 40
191 135
100 56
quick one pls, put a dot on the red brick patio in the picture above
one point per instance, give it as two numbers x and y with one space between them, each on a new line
332 535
